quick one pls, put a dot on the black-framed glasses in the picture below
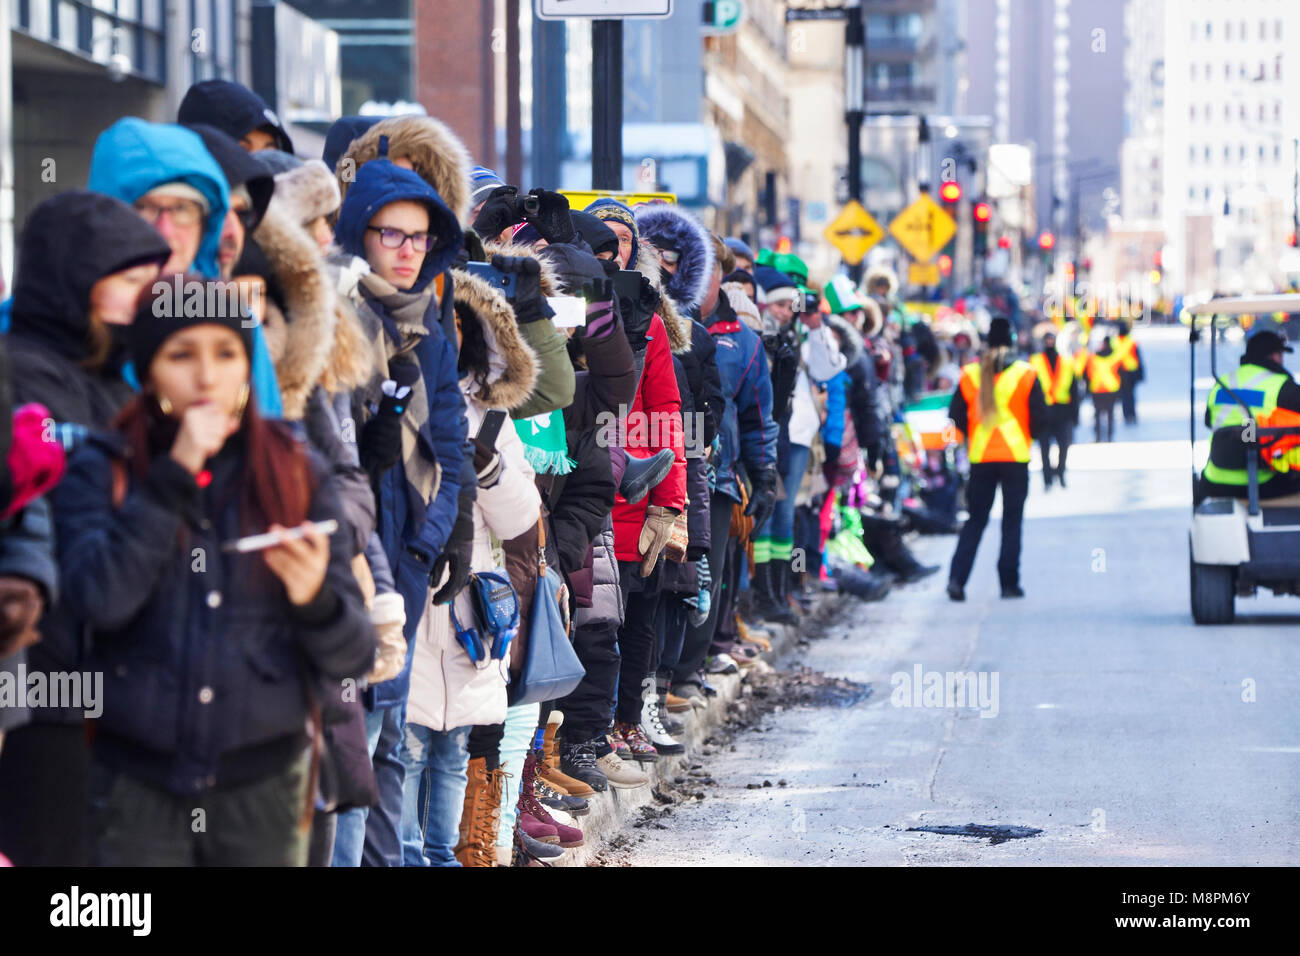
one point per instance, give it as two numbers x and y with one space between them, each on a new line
394 238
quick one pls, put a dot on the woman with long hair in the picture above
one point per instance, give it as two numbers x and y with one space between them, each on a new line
999 406
214 657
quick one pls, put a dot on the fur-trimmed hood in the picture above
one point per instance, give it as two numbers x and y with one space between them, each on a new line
873 317
307 192
512 369
436 153
679 332
318 340
671 227
850 341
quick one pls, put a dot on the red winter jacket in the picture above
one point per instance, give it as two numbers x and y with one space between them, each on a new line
654 423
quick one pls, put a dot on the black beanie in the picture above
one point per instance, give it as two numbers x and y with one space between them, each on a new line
999 333
180 302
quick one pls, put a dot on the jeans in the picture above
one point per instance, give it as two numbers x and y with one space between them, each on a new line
374 839
521 725
1058 427
780 528
985 477
432 802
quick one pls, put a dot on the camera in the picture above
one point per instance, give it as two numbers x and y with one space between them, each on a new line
523 206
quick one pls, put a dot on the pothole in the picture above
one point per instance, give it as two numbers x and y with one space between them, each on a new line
995 834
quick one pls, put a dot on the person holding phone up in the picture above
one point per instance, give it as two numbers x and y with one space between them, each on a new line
212 660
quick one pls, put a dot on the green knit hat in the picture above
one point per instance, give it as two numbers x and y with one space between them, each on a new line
841 295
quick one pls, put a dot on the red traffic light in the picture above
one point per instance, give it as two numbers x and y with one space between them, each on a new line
983 212
1004 242
950 191
1046 241
945 264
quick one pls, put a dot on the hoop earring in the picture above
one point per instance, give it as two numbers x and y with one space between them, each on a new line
244 392
165 404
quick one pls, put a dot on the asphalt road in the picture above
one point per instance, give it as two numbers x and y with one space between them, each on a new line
1123 732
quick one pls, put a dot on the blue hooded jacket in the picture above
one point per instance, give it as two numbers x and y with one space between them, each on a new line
132 157
412 538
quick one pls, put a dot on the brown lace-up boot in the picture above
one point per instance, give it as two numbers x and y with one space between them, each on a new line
548 769
481 815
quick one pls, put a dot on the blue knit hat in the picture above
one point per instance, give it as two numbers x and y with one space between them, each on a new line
481 182
739 247
608 209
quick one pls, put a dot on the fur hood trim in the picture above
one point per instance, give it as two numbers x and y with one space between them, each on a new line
666 225
306 193
676 324
310 334
438 155
550 281
881 272
512 369
850 339
743 305
873 319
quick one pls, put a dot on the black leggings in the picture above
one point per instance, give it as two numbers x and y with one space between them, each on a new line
485 742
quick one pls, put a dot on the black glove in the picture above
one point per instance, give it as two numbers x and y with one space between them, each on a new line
380 447
648 300
500 211
598 290
695 551
610 266
527 301
552 219
763 499
456 555
487 464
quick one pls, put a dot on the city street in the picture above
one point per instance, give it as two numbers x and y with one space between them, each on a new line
1123 732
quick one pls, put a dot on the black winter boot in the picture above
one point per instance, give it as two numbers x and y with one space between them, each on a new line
766 603
884 539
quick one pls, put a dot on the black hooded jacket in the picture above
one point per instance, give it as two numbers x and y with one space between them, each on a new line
70 242
232 108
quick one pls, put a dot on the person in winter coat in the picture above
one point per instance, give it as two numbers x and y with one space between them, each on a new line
251 186
237 111
424 507
84 260
449 691
642 529
747 433
212 659
430 149
174 183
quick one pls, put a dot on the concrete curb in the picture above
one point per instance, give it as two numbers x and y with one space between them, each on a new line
614 812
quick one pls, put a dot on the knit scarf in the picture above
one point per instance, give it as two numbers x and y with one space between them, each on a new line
402 329
544 443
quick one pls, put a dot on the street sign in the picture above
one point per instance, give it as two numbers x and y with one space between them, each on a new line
603 9
853 232
923 228
723 16
923 273
582 198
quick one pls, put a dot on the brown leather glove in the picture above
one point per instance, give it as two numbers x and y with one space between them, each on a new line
21 604
679 540
655 533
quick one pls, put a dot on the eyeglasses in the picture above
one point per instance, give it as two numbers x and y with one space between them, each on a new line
395 238
183 213
670 256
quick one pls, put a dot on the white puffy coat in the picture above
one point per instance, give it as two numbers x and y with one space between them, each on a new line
447 690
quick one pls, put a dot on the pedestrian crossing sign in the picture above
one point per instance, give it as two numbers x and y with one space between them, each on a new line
853 232
923 228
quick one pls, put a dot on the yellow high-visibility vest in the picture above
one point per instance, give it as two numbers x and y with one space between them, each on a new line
1006 437
1126 349
1103 373
1056 382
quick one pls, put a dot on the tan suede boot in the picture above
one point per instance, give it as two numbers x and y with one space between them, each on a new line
548 769
481 815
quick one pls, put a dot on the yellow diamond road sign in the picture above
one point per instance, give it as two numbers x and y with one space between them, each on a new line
923 228
853 232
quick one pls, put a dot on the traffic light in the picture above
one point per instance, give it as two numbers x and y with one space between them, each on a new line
982 213
950 192
945 265
1046 241
1004 242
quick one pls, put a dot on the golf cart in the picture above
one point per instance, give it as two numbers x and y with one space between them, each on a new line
1238 546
